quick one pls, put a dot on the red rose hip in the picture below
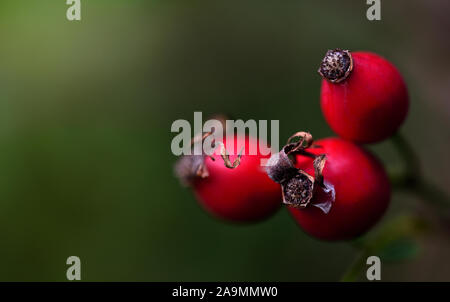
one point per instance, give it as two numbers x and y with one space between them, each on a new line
239 193
363 96
335 190
361 189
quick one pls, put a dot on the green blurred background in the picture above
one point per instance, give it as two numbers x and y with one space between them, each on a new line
85 115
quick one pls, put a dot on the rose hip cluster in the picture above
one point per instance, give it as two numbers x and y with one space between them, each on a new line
333 187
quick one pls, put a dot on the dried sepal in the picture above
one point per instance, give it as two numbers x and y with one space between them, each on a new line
189 167
279 167
305 141
327 195
226 157
319 164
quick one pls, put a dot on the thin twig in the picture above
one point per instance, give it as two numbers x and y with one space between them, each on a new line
410 177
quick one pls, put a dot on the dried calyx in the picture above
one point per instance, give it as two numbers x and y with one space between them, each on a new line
336 65
298 187
188 168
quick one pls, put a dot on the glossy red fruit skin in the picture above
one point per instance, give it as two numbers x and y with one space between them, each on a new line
370 104
243 194
362 191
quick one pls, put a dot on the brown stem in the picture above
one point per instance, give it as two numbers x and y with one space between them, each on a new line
410 178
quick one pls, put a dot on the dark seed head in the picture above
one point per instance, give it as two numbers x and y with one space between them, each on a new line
336 65
298 190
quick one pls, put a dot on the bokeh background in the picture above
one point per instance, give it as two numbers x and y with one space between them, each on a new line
85 115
